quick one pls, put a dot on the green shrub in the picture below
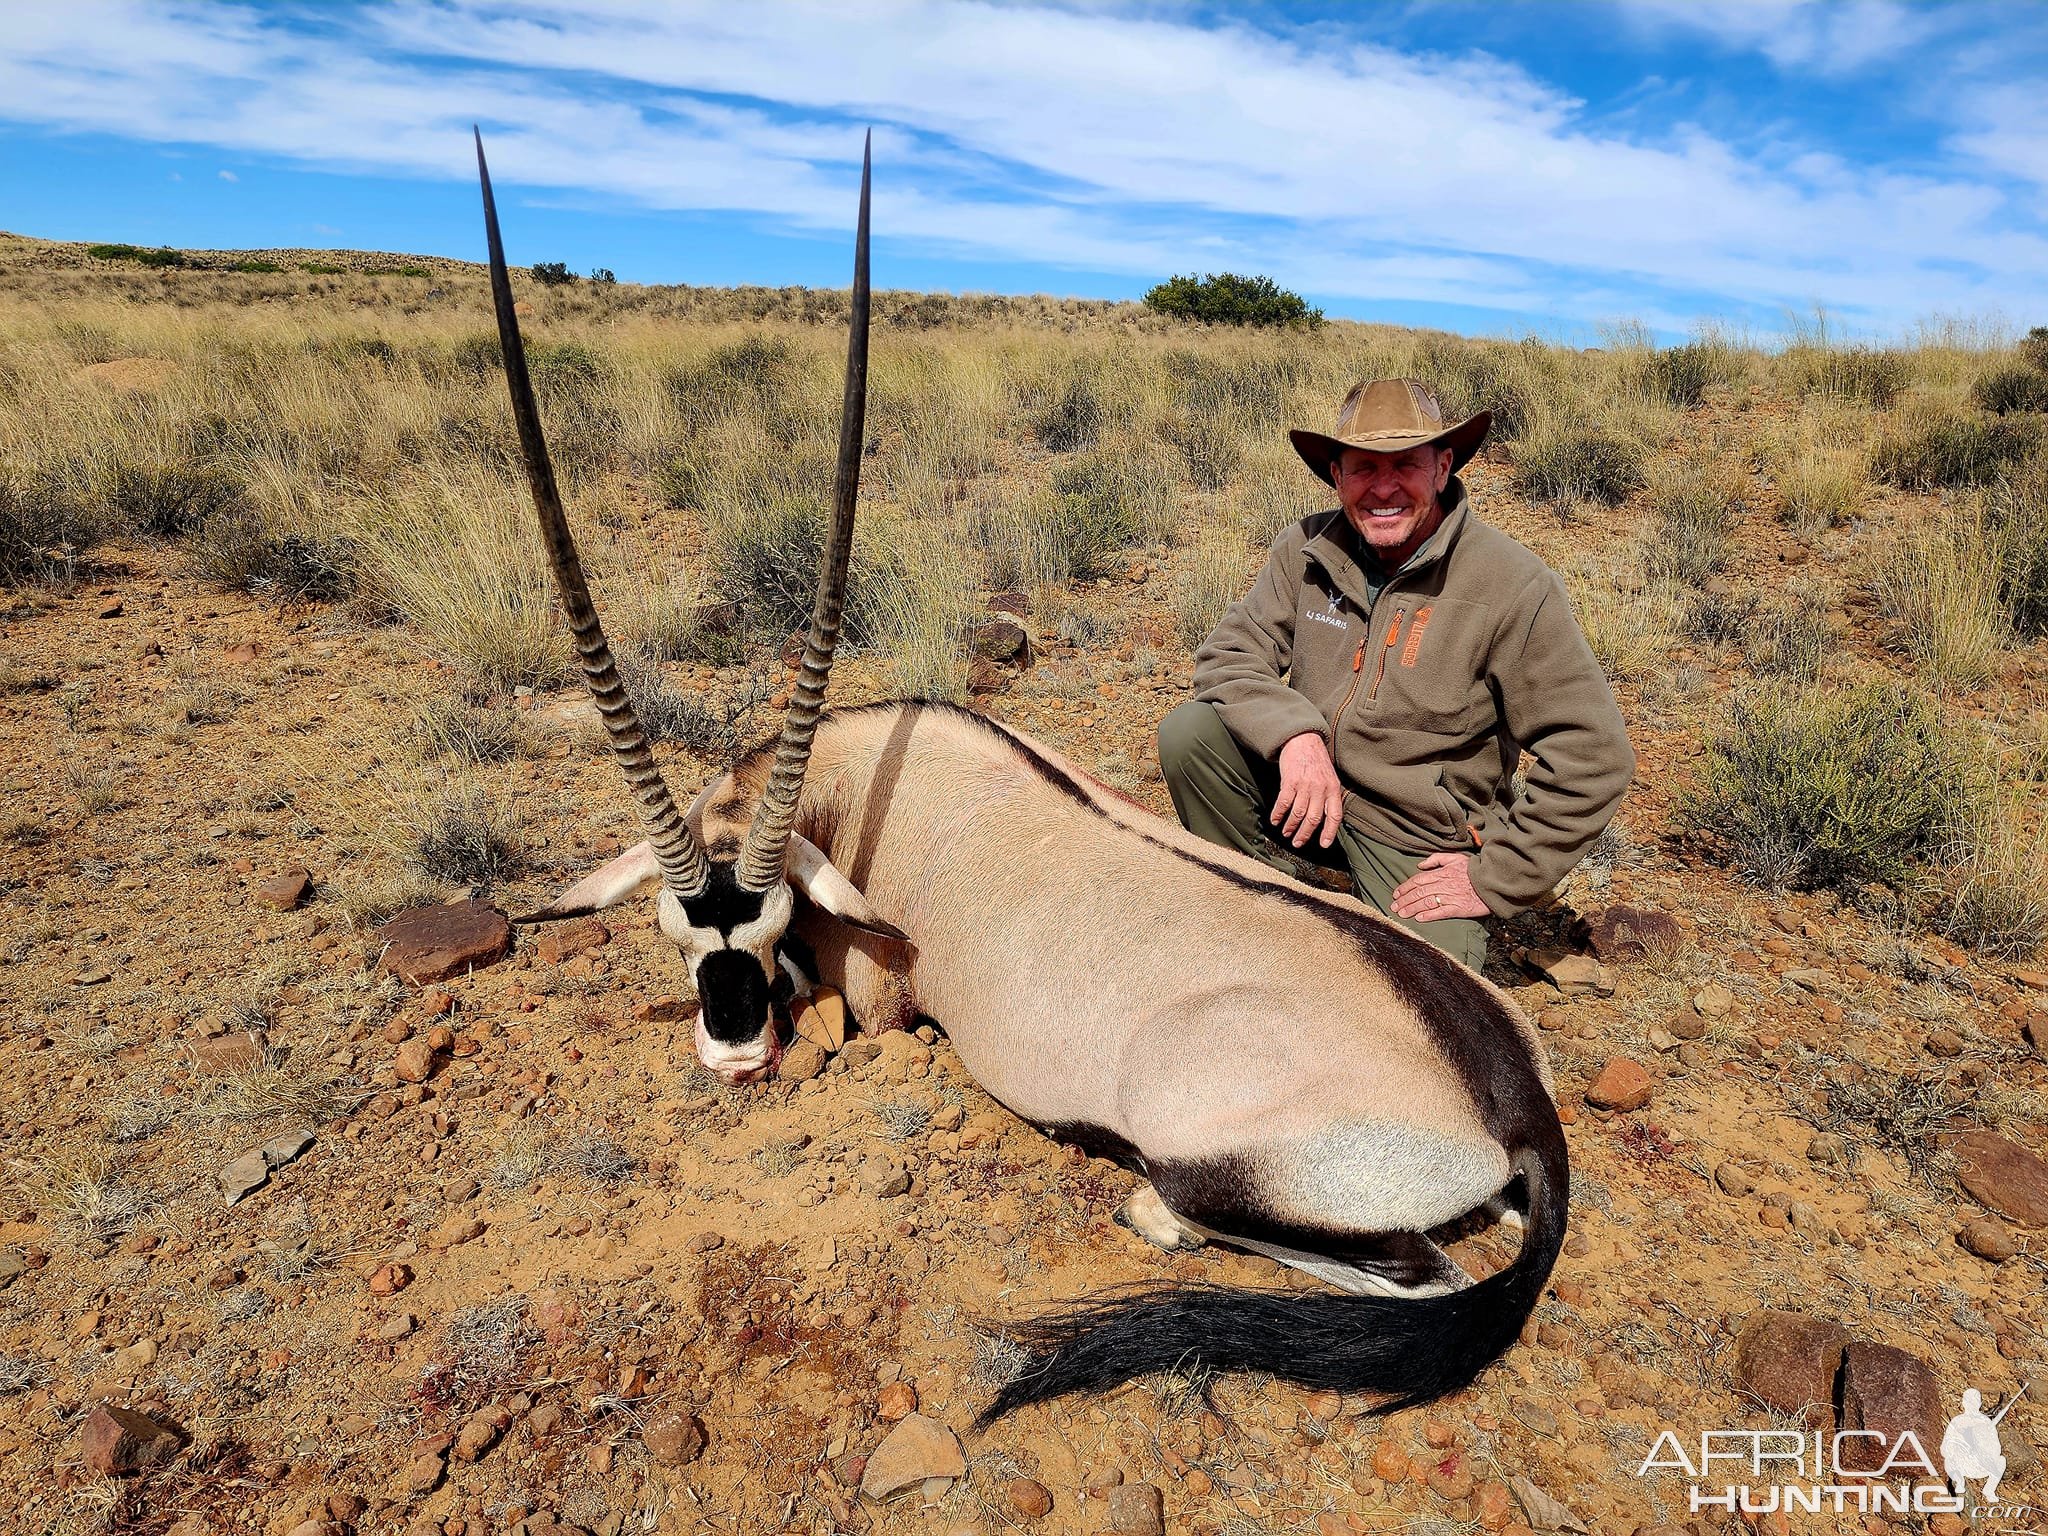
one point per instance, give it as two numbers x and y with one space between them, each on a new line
1947 450
44 527
467 838
162 256
2016 520
162 498
234 549
2033 348
2011 389
604 277
1098 511
1818 789
759 377
765 556
552 274
1562 461
253 265
1225 298
1682 374
1073 419
1692 506
1872 375
322 268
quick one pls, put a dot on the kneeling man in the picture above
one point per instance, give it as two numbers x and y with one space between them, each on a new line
1371 697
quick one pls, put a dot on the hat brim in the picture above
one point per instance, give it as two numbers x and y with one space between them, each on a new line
1319 450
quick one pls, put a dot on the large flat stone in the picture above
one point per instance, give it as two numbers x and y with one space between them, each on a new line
2005 1176
1787 1361
1888 1391
435 943
916 1449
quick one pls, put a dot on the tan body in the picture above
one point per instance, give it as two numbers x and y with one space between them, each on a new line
1096 966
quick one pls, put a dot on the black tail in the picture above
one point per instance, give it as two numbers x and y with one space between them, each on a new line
1414 1351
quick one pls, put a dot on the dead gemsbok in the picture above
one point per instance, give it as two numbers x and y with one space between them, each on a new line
1292 1072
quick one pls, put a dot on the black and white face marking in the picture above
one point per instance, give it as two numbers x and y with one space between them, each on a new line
728 938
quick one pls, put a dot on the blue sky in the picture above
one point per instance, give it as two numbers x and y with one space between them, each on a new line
1487 167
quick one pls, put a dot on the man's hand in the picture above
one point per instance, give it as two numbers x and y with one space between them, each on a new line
1440 887
1311 800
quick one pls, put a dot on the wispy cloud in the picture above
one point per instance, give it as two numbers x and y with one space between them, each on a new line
229 176
1137 142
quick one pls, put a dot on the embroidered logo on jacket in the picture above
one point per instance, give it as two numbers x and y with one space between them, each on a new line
1332 614
1414 646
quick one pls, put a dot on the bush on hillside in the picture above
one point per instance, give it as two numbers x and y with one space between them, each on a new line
1682 374
2015 388
552 274
1563 461
2016 519
1811 788
2034 348
1225 298
1872 375
43 527
1949 450
162 256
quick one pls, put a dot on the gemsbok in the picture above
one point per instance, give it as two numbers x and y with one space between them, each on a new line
1293 1073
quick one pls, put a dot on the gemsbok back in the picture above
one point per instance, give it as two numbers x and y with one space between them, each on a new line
1292 1072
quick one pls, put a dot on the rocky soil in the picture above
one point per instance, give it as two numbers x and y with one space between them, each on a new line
298 1235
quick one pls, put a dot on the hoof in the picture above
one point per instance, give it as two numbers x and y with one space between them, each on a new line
1147 1215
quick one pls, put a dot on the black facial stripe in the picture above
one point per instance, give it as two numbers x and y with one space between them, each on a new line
722 904
734 990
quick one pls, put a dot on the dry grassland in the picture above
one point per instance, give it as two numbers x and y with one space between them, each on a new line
274 597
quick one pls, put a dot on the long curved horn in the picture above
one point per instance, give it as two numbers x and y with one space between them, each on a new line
768 837
683 866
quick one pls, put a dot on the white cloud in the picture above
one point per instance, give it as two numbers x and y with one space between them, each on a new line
229 176
1134 143
1829 37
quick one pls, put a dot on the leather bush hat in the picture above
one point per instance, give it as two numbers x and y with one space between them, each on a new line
1390 416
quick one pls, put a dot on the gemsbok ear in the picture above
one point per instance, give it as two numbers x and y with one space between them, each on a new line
635 870
830 891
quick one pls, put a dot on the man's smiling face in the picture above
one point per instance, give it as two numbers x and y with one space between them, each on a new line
1391 498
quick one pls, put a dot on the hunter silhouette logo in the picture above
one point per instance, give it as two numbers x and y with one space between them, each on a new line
1769 1471
1970 1448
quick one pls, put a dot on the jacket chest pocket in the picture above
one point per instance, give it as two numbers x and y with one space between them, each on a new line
1426 670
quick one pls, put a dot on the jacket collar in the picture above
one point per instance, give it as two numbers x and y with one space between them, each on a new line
1333 546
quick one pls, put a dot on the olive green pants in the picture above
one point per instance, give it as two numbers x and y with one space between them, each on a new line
1225 794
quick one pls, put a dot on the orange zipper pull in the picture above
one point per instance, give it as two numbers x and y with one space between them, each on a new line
1358 661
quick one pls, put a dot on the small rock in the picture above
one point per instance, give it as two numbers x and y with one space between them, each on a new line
896 1401
564 941
1827 1150
1989 1240
1808 977
286 1146
1889 1391
821 1019
225 1055
414 1062
110 609
13 1265
1544 1513
1945 1043
1734 1180
1572 974
804 1060
1633 933
284 890
454 1232
1137 1509
2005 1176
423 1473
1687 1026
392 1329
478 1434
1027 1498
914 1450
435 943
1000 640
116 1441
884 1177
1805 1218
1622 1084
389 1279
1787 1361
245 1175
673 1439
1713 1001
